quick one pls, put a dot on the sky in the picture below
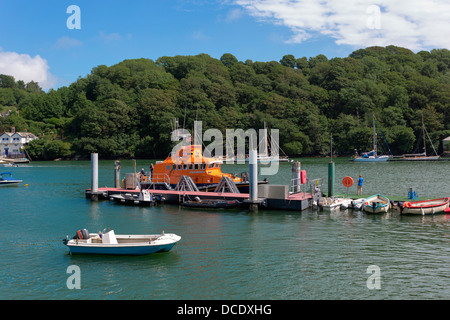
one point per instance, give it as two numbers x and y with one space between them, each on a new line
54 43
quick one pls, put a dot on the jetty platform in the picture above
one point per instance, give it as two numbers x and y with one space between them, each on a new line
294 201
261 194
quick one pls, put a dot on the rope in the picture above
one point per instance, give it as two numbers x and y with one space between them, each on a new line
383 136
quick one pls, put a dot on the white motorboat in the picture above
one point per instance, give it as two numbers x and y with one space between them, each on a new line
111 244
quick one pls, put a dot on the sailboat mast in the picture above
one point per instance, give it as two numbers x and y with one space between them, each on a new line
374 136
423 133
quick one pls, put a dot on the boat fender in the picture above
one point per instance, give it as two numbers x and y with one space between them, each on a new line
303 176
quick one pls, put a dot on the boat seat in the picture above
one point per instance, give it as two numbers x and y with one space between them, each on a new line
109 238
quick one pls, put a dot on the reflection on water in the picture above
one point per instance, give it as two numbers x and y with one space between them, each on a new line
224 254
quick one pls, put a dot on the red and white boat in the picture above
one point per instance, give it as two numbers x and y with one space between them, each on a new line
426 206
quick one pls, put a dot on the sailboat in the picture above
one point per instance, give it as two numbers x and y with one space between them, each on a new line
371 156
266 145
422 156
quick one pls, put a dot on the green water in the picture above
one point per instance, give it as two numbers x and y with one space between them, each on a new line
225 254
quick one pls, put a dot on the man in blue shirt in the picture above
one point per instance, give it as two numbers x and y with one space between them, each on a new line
360 184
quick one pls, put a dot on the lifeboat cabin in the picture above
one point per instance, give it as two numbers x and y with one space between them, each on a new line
189 161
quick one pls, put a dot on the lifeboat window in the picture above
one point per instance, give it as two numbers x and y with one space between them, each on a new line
184 166
217 165
196 166
191 167
174 167
167 167
179 167
211 165
203 166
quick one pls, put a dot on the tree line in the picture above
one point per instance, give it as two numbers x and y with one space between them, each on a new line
127 110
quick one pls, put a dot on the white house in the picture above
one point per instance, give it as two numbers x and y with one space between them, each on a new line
12 143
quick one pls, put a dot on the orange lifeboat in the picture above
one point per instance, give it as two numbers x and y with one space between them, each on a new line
189 161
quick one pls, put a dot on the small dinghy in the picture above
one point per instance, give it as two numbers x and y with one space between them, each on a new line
376 204
143 198
211 203
111 244
331 204
425 207
357 204
6 179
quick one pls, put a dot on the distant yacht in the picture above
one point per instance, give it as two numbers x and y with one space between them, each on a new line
371 156
422 156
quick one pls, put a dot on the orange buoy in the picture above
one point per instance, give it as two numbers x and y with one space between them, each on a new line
347 181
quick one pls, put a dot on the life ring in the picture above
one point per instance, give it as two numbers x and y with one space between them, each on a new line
347 182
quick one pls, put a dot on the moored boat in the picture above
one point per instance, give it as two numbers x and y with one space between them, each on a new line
6 178
422 156
376 204
189 161
357 204
212 203
111 244
371 156
424 207
144 198
330 204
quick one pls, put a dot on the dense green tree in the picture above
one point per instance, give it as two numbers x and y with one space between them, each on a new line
127 109
7 81
288 61
228 60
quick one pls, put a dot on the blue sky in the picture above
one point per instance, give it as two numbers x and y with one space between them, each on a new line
35 43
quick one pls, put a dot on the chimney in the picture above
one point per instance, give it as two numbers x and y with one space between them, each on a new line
13 129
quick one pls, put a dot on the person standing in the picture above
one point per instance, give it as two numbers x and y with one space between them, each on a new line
151 171
360 185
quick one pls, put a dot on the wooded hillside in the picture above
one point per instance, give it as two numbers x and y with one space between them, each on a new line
126 110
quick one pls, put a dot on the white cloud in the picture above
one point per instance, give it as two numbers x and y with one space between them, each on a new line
26 68
67 42
234 15
199 35
414 24
110 37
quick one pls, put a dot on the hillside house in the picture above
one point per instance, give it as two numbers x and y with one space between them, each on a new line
12 143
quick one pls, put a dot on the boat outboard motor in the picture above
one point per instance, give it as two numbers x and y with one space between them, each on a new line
81 234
